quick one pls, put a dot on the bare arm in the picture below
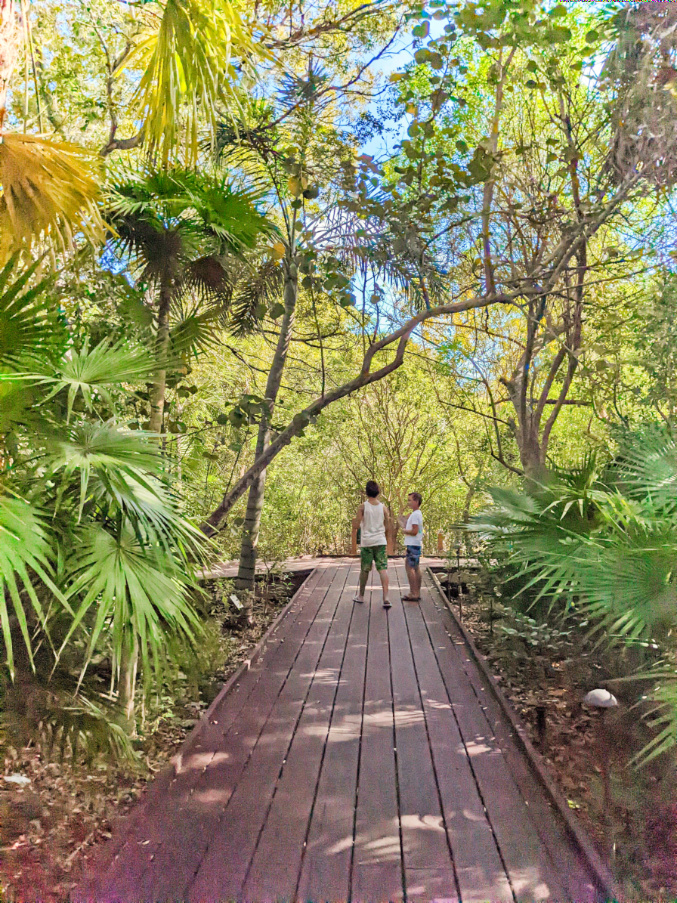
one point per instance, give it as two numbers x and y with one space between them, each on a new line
357 520
388 518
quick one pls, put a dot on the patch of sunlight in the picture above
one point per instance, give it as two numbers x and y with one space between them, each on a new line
527 882
200 761
340 846
381 718
211 797
478 817
474 748
310 730
423 822
383 847
407 718
438 703
326 675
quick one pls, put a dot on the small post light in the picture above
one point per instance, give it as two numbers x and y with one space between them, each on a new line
604 700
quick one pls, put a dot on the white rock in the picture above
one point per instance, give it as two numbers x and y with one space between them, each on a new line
19 779
601 699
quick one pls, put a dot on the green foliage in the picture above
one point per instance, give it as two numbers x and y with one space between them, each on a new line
189 70
538 637
95 554
599 543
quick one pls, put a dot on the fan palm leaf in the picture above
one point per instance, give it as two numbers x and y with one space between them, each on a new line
134 588
196 331
603 540
87 723
661 698
646 466
189 71
119 471
30 326
27 553
254 293
48 190
99 368
105 450
209 205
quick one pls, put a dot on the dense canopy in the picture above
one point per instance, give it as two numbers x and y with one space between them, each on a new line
254 254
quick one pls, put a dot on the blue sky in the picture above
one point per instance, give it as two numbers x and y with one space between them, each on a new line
402 54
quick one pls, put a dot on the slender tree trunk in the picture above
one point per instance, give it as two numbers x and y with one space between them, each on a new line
159 387
9 33
252 522
129 666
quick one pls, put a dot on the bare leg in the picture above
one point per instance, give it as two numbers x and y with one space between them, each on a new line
364 576
416 573
385 584
411 577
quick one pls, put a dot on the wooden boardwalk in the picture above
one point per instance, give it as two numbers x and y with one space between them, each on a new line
359 758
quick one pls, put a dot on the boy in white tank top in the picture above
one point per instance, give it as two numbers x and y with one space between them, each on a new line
373 519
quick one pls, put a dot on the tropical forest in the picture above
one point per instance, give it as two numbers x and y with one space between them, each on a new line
253 255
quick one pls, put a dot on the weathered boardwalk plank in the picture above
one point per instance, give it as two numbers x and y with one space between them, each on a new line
359 758
326 870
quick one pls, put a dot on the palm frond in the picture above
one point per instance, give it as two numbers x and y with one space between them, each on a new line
30 324
646 465
105 450
48 190
133 589
27 553
229 213
189 71
87 723
180 225
602 540
118 471
211 280
98 368
661 717
196 331
254 294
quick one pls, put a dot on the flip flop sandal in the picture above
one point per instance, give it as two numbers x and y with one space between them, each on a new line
386 603
361 601
409 598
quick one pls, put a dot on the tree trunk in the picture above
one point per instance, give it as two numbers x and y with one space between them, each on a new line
531 455
129 666
159 387
244 581
9 33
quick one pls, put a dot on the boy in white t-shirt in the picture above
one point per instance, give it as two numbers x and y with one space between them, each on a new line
413 541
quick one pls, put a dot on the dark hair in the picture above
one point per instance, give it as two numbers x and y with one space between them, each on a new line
418 498
372 489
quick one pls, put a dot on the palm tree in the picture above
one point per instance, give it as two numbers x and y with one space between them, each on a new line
94 552
599 543
183 232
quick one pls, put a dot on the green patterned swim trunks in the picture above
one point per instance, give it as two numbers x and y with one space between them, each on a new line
377 554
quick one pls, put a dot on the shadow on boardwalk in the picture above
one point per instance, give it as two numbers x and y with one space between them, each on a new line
358 758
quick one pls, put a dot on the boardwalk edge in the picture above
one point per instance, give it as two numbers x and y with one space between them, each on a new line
603 875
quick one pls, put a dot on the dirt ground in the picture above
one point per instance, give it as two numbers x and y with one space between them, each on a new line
545 674
53 814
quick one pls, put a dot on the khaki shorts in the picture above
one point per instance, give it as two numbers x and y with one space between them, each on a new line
377 554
